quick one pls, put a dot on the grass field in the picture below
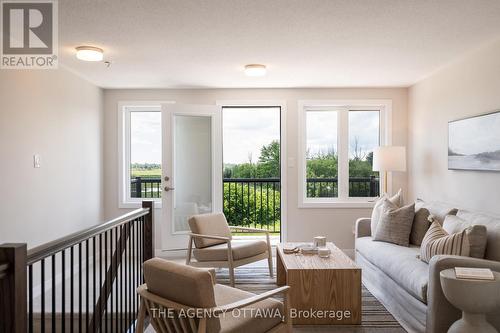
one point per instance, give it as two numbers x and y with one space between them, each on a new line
152 173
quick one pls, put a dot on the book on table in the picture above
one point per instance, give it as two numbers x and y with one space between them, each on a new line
474 273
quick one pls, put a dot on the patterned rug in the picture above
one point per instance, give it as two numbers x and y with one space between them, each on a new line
375 318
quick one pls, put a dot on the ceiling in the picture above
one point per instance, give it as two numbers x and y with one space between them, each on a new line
306 43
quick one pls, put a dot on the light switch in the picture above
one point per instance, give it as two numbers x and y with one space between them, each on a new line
291 162
36 161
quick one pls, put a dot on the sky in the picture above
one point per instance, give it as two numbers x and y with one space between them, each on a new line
245 131
475 135
322 132
145 137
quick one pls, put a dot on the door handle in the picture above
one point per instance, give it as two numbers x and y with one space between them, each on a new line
168 188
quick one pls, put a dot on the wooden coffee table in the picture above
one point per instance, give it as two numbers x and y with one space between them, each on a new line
324 291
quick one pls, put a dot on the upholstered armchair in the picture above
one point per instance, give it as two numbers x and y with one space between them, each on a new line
180 298
214 246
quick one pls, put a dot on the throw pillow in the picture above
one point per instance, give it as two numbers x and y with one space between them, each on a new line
397 199
477 234
420 226
438 241
438 209
395 223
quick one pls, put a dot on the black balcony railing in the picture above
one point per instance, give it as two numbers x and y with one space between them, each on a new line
250 202
257 202
360 187
145 187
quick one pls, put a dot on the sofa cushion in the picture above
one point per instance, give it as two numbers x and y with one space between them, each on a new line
420 226
436 208
248 321
395 223
492 225
209 224
476 234
398 262
240 249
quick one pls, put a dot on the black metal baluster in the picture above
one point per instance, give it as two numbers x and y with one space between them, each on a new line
112 270
134 275
101 297
274 207
94 283
130 273
30 290
242 201
249 210
71 287
63 294
122 234
53 291
87 300
105 281
42 314
267 205
125 268
260 185
229 197
116 277
141 238
80 289
255 204
236 205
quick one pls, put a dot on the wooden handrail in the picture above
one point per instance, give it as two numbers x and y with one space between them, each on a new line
48 249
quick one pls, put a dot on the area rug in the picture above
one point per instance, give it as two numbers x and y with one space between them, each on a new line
375 318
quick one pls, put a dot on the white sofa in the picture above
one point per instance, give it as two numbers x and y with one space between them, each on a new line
409 288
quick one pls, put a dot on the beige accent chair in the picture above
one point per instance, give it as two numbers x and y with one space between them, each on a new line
180 298
214 246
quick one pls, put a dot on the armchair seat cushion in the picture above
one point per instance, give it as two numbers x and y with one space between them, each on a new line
247 320
240 249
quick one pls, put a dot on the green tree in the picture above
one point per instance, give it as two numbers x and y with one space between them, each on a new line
269 161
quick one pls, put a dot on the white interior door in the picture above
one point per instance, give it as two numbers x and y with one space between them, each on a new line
192 176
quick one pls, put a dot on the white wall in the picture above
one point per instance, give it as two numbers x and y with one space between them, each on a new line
303 224
467 87
58 115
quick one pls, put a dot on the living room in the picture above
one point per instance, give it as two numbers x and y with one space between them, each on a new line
256 142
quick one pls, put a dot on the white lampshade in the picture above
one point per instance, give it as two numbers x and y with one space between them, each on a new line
389 158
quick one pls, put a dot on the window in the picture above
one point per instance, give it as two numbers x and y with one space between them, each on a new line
336 152
322 154
140 153
364 136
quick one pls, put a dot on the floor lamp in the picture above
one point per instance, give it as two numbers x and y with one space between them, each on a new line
389 159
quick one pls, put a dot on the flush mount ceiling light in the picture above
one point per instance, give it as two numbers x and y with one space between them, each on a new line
89 53
255 70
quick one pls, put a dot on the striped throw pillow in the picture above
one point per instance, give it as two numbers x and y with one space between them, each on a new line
438 241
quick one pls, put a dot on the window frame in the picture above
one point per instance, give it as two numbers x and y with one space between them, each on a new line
124 140
342 107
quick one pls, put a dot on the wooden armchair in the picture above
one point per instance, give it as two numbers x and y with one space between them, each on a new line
180 298
214 246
